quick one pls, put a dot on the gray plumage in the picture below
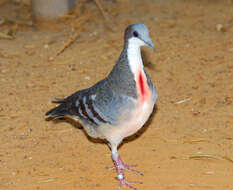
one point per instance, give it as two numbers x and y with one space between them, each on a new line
118 105
112 94
106 98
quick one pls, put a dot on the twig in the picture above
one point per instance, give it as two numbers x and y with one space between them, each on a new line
182 101
6 36
102 10
228 159
47 180
209 156
73 37
195 140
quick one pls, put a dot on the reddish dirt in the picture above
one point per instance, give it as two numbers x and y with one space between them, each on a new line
188 142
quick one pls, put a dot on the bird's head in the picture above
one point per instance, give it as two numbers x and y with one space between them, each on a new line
138 35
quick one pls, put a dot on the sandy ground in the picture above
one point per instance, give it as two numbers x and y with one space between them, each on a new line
188 142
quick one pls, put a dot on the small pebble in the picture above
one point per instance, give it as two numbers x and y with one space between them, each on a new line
204 130
4 70
51 58
87 78
209 172
219 27
46 46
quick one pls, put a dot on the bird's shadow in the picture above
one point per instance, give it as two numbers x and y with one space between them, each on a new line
77 125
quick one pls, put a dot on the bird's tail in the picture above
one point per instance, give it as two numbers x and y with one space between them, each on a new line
59 111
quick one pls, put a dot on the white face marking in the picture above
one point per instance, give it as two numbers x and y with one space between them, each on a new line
134 54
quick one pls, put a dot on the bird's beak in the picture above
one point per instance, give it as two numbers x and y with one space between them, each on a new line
150 44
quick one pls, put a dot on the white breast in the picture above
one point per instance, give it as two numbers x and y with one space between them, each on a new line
128 127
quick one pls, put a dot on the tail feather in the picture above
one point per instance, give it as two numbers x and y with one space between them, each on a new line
66 106
60 110
59 101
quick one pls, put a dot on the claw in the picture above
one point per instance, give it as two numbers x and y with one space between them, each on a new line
126 167
127 183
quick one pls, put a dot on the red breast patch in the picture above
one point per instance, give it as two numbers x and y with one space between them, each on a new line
141 84
143 88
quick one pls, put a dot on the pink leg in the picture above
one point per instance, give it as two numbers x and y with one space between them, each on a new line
120 167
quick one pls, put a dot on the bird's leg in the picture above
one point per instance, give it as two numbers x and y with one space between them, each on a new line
120 167
118 163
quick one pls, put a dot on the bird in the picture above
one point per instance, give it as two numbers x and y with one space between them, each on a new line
119 105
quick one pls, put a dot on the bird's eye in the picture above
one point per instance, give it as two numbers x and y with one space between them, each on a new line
135 34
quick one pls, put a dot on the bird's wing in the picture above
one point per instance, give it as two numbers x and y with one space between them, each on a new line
104 105
95 106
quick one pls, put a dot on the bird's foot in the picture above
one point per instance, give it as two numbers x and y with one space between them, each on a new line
122 166
119 165
122 180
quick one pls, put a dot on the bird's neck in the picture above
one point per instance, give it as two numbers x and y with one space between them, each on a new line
134 56
136 67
